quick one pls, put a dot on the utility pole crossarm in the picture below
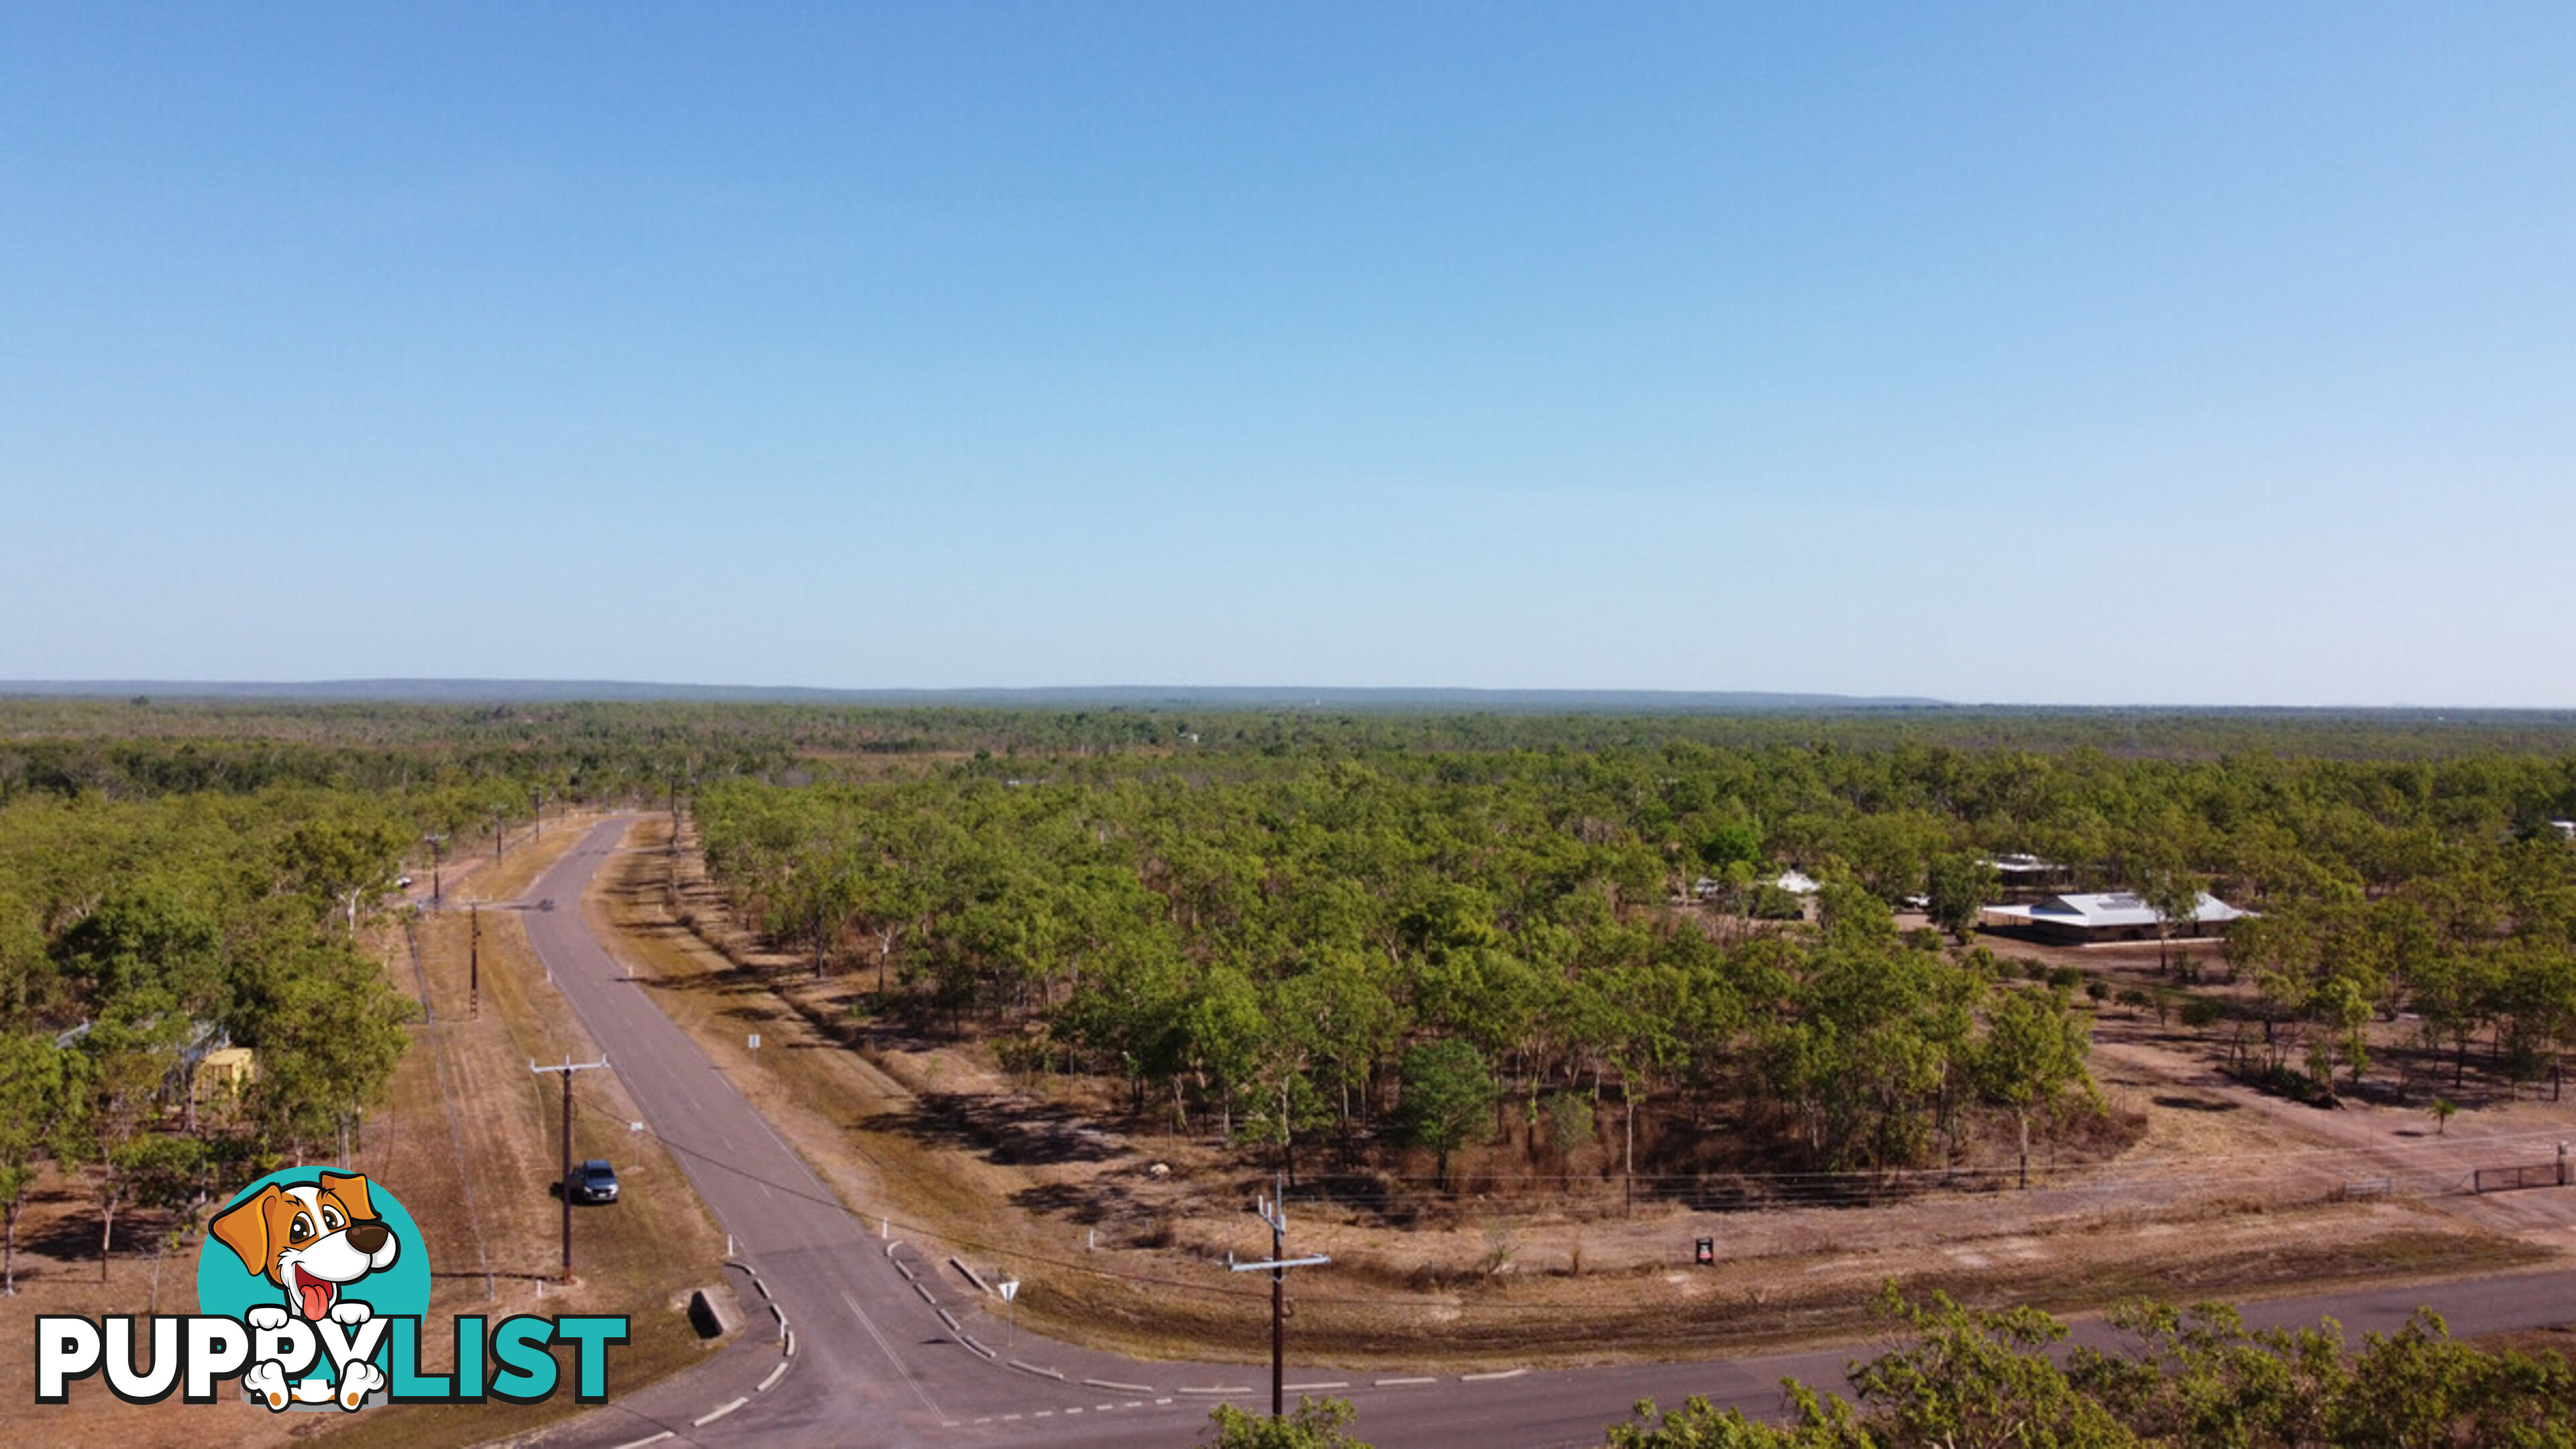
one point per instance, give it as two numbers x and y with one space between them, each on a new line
1273 1212
1314 1262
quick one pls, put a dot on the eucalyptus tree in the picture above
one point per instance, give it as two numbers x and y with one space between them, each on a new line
2032 1055
1447 1088
132 1048
1958 887
44 1100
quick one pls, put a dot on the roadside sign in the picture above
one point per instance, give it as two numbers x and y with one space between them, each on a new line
1707 1255
1009 1288
755 1041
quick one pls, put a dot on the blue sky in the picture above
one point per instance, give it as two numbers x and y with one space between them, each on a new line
2037 353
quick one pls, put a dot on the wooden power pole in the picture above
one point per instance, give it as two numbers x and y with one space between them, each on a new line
564 1182
1275 1212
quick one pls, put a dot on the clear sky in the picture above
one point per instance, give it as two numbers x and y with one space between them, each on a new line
2050 353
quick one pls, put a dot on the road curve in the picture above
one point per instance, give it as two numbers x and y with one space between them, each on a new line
860 1340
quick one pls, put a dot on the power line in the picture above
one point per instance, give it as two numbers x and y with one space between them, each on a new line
1023 1254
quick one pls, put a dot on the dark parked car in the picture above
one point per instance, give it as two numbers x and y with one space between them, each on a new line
594 1181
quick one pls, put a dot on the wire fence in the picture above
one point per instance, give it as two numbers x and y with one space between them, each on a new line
2510 1179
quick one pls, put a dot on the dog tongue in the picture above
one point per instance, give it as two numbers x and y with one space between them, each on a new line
316 1293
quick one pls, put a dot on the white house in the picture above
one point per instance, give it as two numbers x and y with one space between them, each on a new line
2076 919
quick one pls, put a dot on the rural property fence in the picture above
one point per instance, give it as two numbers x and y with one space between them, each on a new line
2507 1179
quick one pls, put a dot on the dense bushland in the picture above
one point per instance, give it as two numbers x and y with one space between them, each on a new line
138 936
1263 942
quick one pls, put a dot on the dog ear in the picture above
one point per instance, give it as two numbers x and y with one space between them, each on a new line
244 1229
351 1190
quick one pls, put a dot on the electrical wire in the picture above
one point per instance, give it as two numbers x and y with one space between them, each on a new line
1024 1254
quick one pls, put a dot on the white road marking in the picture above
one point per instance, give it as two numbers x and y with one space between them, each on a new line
640 1443
1401 1383
718 1412
1509 1373
895 1358
774 1374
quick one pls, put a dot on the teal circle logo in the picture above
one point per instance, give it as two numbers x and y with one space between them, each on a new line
318 1244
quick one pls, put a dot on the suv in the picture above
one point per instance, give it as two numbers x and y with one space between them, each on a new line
593 1181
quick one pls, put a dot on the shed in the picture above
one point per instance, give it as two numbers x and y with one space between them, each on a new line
2027 877
225 1071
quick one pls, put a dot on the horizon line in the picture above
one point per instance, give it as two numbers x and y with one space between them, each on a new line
500 690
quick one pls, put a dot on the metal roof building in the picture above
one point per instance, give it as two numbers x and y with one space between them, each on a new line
2108 916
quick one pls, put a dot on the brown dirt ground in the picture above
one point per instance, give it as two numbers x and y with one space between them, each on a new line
477 1180
1026 1175
2380 1132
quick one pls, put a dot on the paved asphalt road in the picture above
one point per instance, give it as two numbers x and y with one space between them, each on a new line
863 1341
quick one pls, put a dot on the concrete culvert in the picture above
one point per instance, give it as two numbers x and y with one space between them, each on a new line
713 1312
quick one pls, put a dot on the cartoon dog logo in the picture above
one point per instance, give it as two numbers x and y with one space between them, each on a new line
313 1241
